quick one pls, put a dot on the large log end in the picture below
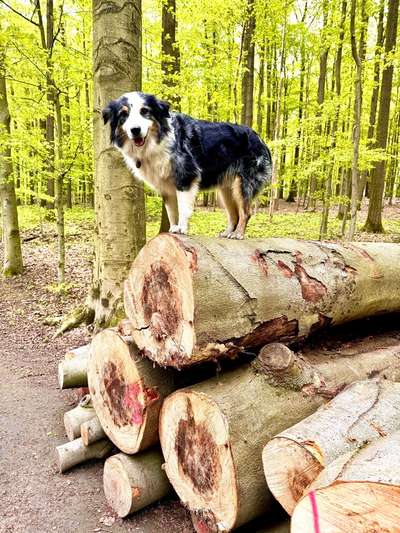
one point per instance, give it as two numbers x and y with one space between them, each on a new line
196 446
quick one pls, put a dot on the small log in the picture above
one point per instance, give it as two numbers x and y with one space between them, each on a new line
127 391
72 371
81 351
74 418
212 434
363 412
75 452
133 482
195 298
92 431
359 491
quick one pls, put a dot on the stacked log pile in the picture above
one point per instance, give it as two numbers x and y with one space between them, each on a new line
278 417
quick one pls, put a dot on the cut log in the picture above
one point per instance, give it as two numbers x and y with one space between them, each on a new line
75 452
361 413
74 418
92 431
127 391
192 299
133 482
359 491
212 434
72 371
81 351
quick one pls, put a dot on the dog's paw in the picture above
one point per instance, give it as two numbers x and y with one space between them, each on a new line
177 229
236 235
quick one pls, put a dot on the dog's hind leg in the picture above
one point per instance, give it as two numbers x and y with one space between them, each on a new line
232 213
186 201
243 206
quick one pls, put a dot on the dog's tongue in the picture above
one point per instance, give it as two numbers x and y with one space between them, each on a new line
139 141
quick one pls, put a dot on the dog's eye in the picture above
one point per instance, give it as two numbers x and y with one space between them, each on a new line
144 111
123 116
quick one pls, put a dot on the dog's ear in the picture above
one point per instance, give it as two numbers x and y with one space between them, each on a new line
163 106
106 114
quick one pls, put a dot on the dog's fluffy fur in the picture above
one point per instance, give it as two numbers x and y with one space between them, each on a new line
178 155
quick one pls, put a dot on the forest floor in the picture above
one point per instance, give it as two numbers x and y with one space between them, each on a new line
33 496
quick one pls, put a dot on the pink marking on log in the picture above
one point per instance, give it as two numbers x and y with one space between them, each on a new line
314 509
259 258
131 401
285 269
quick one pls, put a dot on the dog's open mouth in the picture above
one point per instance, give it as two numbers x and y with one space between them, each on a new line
139 141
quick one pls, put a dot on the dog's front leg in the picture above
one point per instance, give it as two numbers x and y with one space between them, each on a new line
186 201
171 206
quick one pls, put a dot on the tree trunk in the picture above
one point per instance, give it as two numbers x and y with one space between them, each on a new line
12 261
170 63
59 194
358 56
248 66
337 83
120 219
360 491
77 416
50 96
127 391
92 431
131 483
75 452
212 433
375 91
208 298
373 223
260 97
361 413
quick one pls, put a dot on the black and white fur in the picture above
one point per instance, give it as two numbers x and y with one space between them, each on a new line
178 155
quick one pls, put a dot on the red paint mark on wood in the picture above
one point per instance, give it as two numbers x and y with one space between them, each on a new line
285 269
136 492
312 290
375 272
259 258
132 402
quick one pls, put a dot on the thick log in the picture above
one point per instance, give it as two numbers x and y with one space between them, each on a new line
72 371
363 412
359 491
192 299
74 418
212 434
75 452
92 431
133 482
127 391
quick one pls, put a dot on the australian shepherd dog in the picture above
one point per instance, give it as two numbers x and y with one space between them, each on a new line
178 156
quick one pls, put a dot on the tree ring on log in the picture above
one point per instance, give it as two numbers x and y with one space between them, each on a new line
350 506
159 301
117 486
120 396
290 485
198 458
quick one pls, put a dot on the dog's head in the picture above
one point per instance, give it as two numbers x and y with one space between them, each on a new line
135 117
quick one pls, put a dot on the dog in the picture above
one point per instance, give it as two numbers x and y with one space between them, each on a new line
178 156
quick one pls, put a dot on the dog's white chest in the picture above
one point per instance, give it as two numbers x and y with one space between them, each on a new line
152 164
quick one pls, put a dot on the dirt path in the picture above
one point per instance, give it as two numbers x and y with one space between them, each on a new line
33 496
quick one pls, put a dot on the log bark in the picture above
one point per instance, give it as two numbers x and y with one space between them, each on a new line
75 452
212 434
193 299
81 351
74 418
127 391
133 482
92 431
361 413
359 491
72 372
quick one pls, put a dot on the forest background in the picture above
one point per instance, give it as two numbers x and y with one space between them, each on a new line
317 80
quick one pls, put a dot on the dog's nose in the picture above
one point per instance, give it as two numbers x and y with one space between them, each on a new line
135 132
